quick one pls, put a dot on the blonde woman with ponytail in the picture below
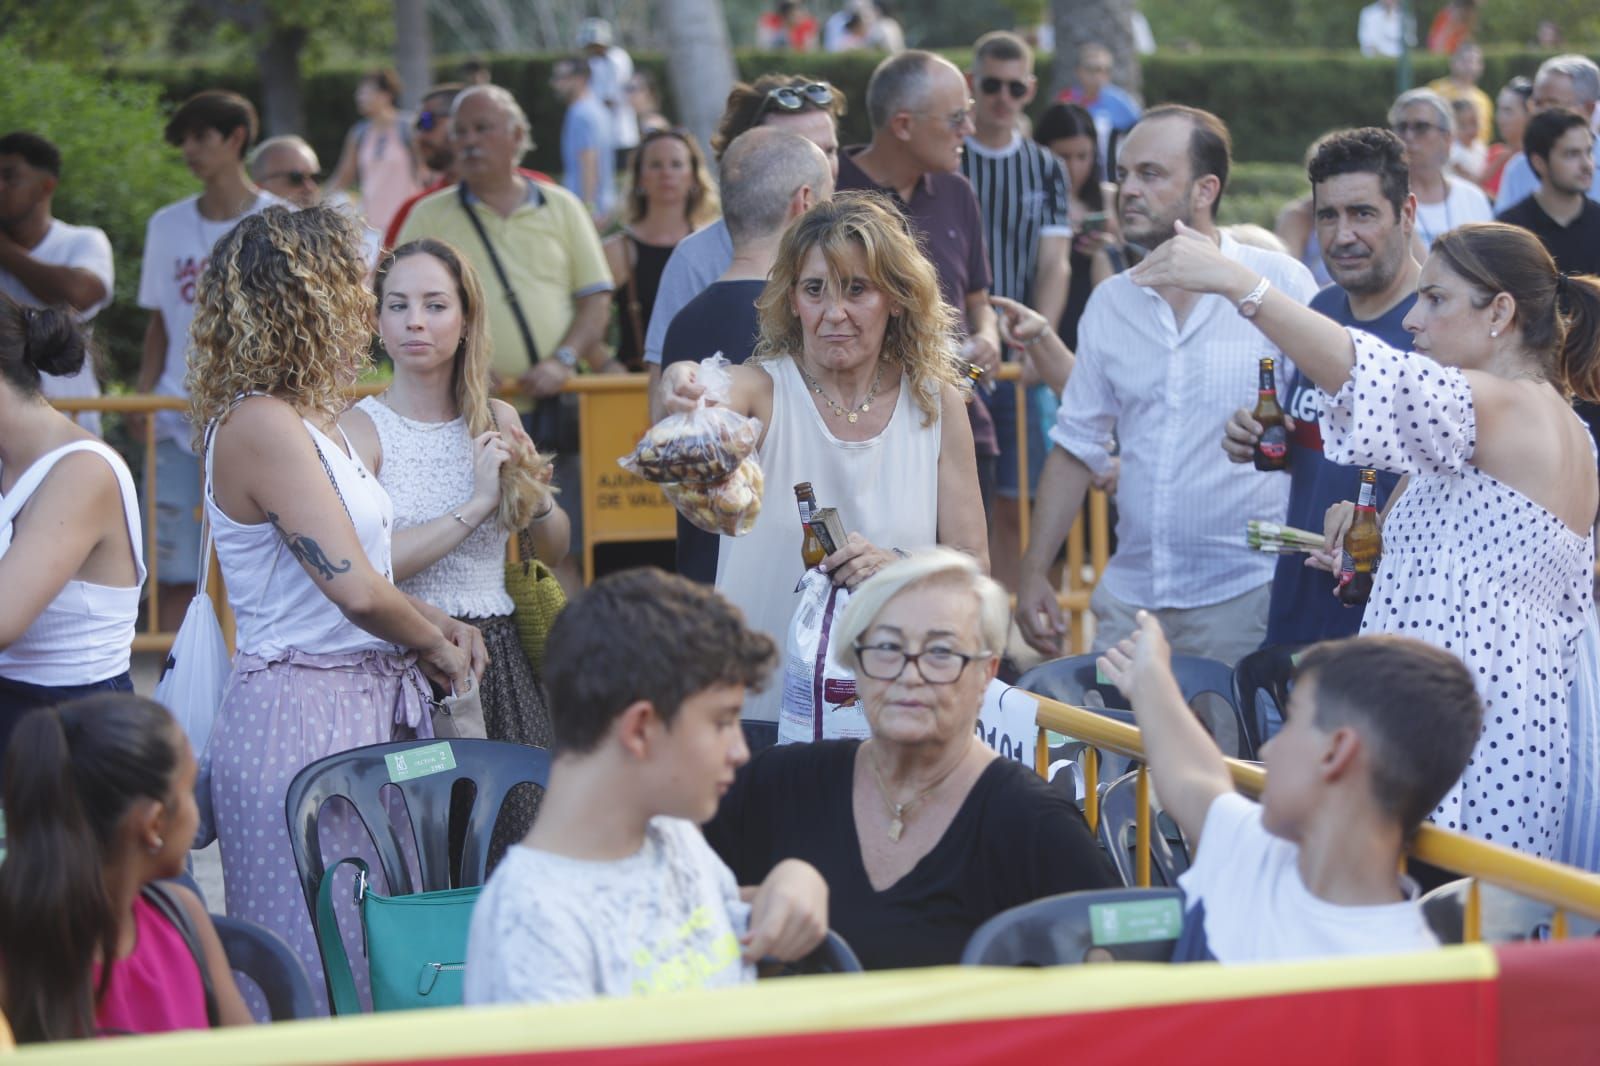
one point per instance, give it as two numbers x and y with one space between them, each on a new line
462 475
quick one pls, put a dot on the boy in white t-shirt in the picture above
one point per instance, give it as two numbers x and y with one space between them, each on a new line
615 892
1377 730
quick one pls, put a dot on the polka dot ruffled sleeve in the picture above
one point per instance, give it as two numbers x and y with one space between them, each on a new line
1401 412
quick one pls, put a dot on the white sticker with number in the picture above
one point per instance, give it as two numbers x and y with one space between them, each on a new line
1008 722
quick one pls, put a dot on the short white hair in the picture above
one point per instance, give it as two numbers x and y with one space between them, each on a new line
257 160
1581 70
919 568
1428 98
517 119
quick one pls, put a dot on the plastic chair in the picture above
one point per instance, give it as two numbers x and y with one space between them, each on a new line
1261 684
1125 924
1504 917
833 955
1169 855
264 957
1070 680
360 775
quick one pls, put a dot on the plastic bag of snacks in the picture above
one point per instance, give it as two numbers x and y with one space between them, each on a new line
729 506
704 459
699 446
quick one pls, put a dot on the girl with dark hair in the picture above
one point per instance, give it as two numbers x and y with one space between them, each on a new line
1069 132
670 195
463 478
99 800
380 155
71 560
1489 549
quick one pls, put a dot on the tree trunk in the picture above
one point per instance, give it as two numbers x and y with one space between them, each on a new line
1106 22
699 62
413 49
283 103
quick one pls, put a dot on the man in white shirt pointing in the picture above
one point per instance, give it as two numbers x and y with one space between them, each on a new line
1163 370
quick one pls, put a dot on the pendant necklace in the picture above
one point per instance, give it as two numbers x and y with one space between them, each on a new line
848 415
897 811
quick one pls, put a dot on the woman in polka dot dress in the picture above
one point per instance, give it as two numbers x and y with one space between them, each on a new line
1489 550
328 648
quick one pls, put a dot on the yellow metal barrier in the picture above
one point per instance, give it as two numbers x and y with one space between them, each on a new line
1564 888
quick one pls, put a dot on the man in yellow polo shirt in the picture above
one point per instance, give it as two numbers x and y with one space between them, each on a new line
551 267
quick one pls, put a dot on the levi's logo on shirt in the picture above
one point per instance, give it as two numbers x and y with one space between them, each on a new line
1305 407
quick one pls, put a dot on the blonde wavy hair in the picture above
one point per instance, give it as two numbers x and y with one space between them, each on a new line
920 339
281 308
702 205
523 490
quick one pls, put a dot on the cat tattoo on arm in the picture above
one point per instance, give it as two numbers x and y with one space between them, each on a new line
308 551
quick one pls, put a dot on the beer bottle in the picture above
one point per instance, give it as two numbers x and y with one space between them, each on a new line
811 552
1272 450
1363 545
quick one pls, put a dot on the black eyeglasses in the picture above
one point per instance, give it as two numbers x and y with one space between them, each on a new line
937 666
1406 129
991 86
296 177
794 98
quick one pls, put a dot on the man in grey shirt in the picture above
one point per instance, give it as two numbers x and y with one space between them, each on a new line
791 102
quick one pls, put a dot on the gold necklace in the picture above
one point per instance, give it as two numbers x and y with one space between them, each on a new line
897 811
848 415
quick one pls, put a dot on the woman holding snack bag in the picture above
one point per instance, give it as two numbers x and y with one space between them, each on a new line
853 385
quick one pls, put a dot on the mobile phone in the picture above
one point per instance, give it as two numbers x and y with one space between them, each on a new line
1095 222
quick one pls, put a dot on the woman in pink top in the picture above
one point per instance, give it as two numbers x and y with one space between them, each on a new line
380 153
99 795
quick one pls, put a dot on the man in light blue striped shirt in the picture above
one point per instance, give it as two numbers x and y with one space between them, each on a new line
1162 371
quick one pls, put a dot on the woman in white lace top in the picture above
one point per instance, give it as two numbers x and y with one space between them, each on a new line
462 476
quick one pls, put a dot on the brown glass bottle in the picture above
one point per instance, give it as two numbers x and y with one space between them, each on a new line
1363 546
811 552
1272 449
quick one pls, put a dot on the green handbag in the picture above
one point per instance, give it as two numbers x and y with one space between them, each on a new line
538 597
416 945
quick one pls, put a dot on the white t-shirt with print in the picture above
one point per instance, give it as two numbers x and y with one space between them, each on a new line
84 248
549 928
177 245
1245 893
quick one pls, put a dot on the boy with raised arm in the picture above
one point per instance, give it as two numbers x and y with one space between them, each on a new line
1377 731
615 892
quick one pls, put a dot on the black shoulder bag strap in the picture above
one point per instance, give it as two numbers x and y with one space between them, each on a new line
500 272
172 909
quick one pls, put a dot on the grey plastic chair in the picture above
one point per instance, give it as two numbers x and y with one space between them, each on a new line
1104 925
265 958
1118 832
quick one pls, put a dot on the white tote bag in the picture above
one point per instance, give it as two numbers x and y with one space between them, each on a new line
198 665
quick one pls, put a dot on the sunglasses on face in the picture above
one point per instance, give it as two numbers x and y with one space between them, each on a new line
991 86
1406 129
791 98
296 177
427 120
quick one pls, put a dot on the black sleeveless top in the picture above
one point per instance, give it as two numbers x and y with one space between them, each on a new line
636 299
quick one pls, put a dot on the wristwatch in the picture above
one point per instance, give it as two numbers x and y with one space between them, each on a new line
567 357
1252 303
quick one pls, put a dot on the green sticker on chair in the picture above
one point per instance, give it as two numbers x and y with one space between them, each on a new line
420 762
1135 921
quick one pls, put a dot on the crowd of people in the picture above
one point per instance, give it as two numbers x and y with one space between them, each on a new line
864 295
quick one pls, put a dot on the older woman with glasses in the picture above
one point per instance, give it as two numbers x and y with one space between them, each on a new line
921 831
1424 122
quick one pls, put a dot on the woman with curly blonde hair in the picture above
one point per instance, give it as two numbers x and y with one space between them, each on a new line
463 478
855 383
328 648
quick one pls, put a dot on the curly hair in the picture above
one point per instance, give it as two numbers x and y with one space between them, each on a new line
281 309
701 205
920 340
523 492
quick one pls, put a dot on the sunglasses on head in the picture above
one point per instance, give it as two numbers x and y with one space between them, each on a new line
794 98
991 86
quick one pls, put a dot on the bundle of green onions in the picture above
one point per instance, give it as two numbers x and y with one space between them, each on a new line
1272 537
